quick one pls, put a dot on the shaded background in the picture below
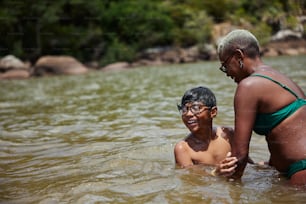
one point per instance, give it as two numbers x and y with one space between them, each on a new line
122 30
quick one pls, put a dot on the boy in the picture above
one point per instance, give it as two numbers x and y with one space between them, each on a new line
205 144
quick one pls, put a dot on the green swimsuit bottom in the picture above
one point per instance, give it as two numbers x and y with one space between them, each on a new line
295 167
265 122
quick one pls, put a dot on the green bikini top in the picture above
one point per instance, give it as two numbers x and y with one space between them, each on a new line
265 122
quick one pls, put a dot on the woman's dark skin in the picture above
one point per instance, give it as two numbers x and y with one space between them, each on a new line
287 140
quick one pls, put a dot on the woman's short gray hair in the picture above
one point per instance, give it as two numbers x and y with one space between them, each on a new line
239 39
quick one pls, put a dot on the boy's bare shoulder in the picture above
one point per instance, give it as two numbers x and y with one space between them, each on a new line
226 132
182 145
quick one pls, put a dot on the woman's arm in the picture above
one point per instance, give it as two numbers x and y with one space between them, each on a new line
245 106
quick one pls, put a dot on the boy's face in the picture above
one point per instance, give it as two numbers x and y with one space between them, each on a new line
196 115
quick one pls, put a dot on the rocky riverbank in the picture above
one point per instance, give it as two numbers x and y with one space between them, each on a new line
13 68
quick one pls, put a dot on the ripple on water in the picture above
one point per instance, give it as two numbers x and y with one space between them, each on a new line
109 138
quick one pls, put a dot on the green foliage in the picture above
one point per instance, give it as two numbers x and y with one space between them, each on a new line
191 26
118 51
218 9
116 30
291 22
263 32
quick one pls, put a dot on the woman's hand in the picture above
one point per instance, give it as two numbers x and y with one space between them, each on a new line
227 166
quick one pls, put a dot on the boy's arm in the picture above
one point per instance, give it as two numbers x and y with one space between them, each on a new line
182 157
226 167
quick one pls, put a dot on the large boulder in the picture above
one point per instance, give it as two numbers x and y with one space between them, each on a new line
285 47
117 66
15 74
58 65
13 68
285 35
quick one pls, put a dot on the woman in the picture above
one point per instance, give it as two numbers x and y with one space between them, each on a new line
267 102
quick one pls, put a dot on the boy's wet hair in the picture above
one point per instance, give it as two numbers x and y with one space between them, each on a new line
199 94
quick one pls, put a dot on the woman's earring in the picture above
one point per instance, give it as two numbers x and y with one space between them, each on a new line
240 64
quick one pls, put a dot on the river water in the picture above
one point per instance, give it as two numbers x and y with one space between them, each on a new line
109 138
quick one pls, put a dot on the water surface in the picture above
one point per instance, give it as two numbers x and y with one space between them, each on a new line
109 138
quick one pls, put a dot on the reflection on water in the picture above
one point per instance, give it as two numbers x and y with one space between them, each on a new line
109 138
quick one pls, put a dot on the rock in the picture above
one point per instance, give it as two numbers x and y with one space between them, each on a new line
58 65
118 66
291 52
15 74
13 68
188 55
270 52
12 62
284 35
145 62
171 56
288 47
